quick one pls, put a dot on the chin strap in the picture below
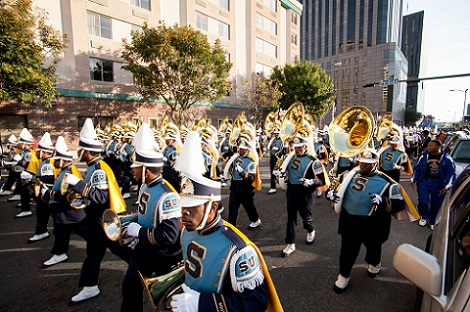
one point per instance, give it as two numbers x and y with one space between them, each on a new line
206 214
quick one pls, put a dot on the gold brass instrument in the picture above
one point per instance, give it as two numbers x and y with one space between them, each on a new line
351 132
161 288
115 226
75 199
223 125
384 126
199 125
270 123
292 121
38 184
237 128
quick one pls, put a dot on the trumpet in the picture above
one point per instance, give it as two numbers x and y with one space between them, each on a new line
160 289
115 227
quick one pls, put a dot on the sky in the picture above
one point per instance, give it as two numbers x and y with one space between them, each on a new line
448 29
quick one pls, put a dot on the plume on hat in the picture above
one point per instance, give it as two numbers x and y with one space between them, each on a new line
191 162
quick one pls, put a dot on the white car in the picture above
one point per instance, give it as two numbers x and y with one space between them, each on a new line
442 270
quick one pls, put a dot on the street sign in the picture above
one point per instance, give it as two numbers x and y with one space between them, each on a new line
388 82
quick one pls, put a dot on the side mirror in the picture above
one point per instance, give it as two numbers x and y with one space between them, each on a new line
422 269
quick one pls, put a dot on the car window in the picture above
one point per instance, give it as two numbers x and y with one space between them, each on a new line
462 151
458 255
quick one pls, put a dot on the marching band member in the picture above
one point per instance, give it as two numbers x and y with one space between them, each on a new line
275 148
304 174
242 191
392 160
322 156
30 164
365 201
170 155
158 222
66 218
100 191
224 270
46 175
9 158
125 153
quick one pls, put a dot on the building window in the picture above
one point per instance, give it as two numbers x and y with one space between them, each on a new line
263 70
266 48
153 122
223 4
272 4
101 70
99 25
224 30
144 4
294 18
293 39
201 22
266 24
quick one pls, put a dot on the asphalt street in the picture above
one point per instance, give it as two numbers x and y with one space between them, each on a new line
304 281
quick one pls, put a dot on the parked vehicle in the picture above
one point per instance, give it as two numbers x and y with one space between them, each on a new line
442 270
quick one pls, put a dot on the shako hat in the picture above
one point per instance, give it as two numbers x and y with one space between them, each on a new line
61 150
88 137
45 144
26 137
145 154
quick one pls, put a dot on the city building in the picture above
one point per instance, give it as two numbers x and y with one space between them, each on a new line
357 42
257 35
414 46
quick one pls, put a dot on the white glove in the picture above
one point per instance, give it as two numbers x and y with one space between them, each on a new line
333 196
44 189
26 175
238 168
309 182
72 179
275 148
133 229
164 159
398 167
375 199
17 157
185 302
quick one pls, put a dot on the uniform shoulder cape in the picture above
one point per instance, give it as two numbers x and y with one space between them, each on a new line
274 304
116 202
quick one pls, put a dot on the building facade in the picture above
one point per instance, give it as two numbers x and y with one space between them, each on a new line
357 42
257 35
414 46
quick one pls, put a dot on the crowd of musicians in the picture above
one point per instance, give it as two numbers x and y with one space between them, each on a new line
178 173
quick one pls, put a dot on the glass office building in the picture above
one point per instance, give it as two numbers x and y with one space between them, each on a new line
357 42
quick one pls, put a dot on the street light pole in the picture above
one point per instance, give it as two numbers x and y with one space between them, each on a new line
464 101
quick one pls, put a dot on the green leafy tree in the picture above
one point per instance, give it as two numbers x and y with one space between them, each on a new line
30 51
305 82
178 65
412 117
259 95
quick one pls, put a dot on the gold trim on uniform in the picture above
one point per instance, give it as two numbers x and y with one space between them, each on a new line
151 237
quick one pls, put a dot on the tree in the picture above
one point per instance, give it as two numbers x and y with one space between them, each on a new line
30 51
259 94
178 65
305 82
411 117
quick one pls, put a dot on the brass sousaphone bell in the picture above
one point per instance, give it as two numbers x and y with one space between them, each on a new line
160 289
